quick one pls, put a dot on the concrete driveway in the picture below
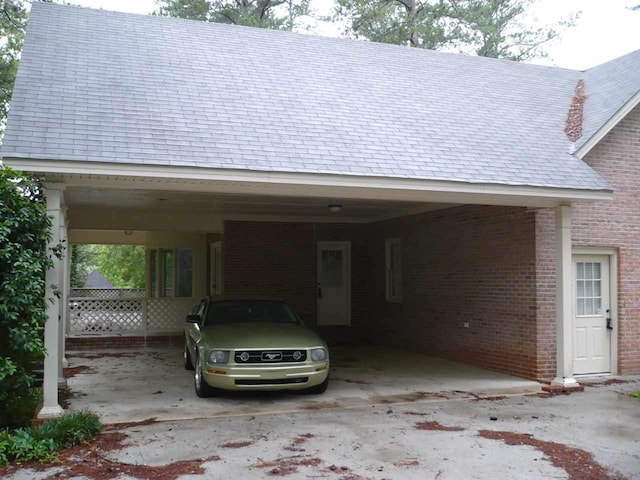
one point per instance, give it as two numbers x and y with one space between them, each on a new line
127 385
582 436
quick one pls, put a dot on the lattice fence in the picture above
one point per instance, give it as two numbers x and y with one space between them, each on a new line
167 314
101 316
108 292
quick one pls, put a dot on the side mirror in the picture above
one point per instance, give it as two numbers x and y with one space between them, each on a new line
193 318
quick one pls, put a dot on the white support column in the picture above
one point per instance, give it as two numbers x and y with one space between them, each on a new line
67 293
62 382
50 407
564 300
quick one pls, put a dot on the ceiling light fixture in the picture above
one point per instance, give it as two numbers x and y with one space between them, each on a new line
335 208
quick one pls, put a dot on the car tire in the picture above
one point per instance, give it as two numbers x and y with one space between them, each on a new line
318 389
188 363
203 389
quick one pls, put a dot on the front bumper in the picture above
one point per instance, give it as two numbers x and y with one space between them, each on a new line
286 376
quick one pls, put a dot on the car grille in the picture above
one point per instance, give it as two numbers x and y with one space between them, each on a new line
269 356
281 381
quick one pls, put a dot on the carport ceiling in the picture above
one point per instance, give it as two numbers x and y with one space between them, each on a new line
229 205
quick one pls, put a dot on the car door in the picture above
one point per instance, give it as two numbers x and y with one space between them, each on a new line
194 329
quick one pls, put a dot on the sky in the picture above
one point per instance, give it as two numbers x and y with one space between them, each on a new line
606 29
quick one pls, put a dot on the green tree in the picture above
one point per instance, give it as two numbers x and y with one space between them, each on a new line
83 260
25 230
13 18
123 265
275 14
490 28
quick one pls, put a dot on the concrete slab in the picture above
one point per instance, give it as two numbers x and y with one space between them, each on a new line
587 435
130 385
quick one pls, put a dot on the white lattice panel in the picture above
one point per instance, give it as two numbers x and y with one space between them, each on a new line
105 316
167 314
108 292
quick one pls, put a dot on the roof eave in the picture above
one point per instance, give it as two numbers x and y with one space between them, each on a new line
161 177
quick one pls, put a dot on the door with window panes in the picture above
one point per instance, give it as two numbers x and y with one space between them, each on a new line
592 307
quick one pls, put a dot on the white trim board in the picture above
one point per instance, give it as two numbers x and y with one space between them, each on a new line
157 177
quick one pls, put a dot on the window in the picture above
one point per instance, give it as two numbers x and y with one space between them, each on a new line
394 270
171 272
589 291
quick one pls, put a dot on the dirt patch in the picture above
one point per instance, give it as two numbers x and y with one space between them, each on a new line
406 463
348 380
70 372
123 425
489 399
95 356
287 466
237 444
609 381
65 395
436 426
298 441
579 464
88 461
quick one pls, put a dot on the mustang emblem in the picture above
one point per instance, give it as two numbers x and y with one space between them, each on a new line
271 356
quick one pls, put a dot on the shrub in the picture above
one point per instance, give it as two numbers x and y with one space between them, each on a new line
25 230
635 394
40 443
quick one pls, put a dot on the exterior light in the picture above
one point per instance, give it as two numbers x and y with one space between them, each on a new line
335 208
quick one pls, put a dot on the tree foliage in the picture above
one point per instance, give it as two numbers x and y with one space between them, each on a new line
13 18
25 230
490 28
123 265
275 14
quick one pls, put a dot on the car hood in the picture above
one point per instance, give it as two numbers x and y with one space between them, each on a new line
260 336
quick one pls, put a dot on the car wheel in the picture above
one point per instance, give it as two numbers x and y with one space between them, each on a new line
318 389
203 389
188 364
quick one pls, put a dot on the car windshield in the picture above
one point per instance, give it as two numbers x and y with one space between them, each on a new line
249 311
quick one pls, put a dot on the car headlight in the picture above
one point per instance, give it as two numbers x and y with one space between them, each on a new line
318 354
219 356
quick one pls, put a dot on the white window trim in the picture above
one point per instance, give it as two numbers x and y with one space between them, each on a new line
387 271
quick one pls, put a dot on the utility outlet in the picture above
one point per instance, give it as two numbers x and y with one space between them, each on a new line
466 324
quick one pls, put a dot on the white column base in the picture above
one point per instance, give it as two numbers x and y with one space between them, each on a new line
62 382
65 362
567 382
50 412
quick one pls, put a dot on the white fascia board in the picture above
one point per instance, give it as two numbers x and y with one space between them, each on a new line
608 126
160 177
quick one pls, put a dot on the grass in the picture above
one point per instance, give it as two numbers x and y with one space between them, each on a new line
42 442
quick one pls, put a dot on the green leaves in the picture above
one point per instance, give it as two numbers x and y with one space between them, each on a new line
24 259
13 18
275 14
489 28
41 443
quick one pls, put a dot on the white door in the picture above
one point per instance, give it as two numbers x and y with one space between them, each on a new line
334 283
216 269
592 326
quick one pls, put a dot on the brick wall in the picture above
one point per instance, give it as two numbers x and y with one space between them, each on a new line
91 343
614 225
276 259
472 264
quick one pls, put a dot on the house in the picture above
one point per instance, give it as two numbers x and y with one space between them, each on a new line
475 209
95 279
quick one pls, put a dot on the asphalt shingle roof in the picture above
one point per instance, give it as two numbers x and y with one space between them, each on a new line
608 88
112 87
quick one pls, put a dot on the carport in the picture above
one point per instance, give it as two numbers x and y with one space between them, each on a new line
405 217
133 385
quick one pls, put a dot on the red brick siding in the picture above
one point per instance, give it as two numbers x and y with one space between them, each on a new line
273 260
90 343
546 293
615 225
471 264
277 259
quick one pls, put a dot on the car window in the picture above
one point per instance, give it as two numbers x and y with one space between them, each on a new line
249 311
